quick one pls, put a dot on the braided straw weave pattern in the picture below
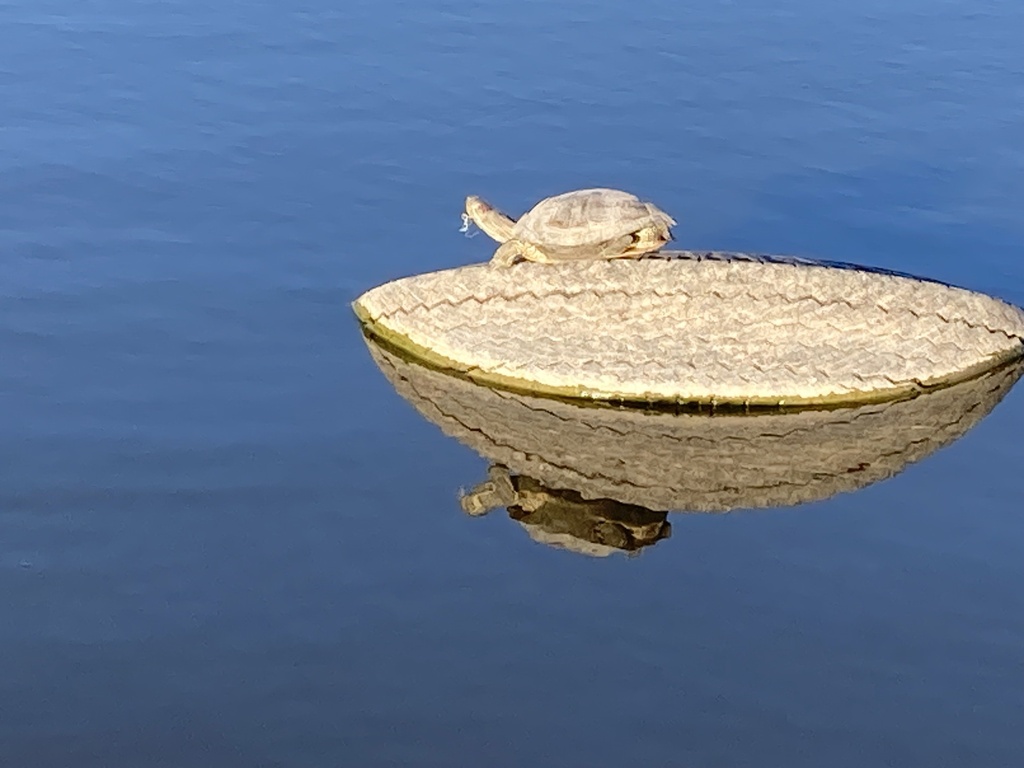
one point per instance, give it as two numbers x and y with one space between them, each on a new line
696 327
695 462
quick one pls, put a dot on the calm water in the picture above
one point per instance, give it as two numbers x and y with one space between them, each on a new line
226 541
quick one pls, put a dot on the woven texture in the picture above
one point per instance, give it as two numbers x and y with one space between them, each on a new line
695 462
696 327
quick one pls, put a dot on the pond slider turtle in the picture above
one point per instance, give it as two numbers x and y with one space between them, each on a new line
579 225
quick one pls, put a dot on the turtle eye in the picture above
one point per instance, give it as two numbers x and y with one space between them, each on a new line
635 238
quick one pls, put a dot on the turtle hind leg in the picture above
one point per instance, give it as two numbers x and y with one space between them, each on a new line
634 245
651 239
620 248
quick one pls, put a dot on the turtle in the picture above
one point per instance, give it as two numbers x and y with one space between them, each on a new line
580 225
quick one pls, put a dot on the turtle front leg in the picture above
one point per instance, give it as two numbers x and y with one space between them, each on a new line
508 253
516 250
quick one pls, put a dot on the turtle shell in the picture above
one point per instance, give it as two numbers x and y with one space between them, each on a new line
586 217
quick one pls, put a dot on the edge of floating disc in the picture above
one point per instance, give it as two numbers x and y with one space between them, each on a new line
413 352
901 388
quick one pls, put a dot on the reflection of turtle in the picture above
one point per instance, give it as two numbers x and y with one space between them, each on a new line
564 518
585 224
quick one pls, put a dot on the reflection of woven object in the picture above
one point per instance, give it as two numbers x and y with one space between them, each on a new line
692 461
706 328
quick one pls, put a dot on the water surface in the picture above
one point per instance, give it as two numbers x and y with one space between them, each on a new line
226 540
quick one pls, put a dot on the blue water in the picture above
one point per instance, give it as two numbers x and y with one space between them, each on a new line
226 541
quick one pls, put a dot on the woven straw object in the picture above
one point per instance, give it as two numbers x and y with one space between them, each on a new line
685 327
692 461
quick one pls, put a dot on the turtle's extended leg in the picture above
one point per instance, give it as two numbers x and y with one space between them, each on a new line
516 250
531 252
508 253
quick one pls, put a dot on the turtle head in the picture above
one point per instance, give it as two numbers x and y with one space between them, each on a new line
477 207
492 221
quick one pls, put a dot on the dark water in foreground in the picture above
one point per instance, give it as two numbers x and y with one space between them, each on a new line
226 541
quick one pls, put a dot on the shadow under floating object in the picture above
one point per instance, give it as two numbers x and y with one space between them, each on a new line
689 461
688 327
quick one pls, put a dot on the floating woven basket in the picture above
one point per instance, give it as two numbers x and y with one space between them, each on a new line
723 329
